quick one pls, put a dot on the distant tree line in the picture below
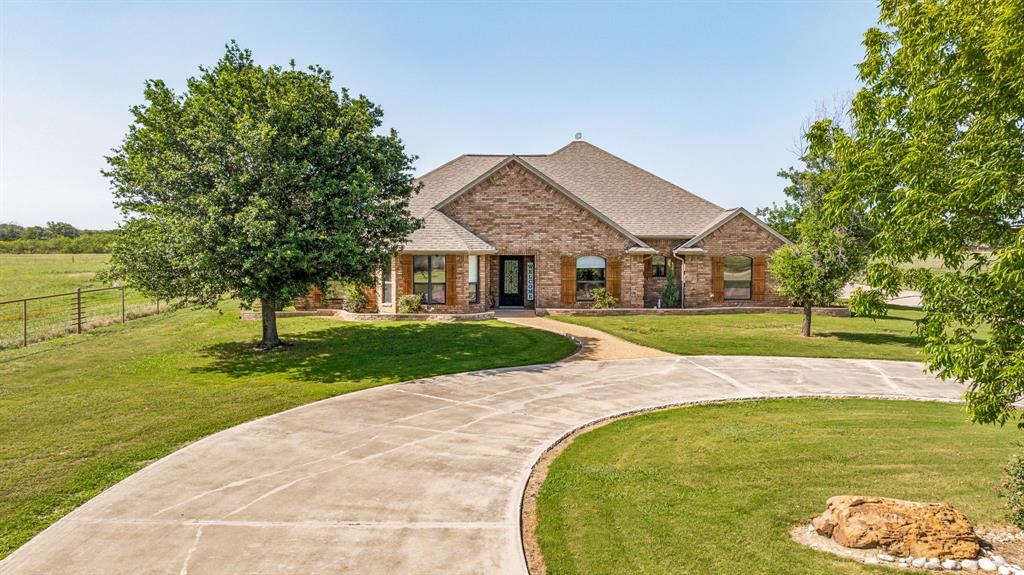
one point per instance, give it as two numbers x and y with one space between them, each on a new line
55 237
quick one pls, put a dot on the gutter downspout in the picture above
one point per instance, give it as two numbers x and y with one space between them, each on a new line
682 278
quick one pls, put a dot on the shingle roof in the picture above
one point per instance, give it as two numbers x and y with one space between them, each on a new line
636 199
442 235
639 202
449 178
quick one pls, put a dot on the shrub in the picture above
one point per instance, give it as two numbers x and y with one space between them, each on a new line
1012 490
670 293
410 303
353 298
603 299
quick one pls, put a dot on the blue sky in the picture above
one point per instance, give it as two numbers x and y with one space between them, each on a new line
708 95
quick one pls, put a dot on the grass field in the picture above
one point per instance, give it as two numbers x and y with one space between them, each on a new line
79 413
29 275
768 334
32 275
715 489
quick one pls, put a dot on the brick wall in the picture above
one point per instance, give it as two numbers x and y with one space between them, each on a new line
652 285
460 303
519 214
740 237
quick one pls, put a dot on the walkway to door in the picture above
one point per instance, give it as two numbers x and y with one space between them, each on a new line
594 344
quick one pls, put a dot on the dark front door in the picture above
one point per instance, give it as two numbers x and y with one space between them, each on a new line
510 290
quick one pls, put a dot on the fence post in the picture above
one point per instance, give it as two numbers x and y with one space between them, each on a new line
157 305
122 304
24 323
78 306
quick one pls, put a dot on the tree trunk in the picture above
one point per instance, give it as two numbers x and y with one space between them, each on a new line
269 312
806 329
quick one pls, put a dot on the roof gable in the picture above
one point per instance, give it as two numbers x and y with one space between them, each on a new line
628 198
555 185
639 201
725 218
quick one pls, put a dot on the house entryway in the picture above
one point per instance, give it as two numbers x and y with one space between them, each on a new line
511 281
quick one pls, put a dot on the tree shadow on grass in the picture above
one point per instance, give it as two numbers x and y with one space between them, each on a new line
909 341
352 352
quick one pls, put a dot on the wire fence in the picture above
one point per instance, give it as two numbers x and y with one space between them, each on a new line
30 320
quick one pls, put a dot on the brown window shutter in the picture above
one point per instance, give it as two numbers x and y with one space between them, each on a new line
568 280
757 280
649 267
717 279
450 289
406 269
614 280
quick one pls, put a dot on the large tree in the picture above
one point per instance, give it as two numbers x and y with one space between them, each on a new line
937 166
254 183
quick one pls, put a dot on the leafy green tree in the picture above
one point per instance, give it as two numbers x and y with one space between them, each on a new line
62 230
255 183
936 165
814 270
11 231
670 293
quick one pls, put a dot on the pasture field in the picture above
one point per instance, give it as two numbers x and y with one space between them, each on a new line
33 275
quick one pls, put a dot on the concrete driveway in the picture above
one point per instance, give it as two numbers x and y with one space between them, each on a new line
422 477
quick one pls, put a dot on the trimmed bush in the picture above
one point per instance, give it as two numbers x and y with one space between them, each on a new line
410 303
603 299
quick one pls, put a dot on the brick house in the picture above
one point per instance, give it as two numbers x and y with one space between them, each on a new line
542 231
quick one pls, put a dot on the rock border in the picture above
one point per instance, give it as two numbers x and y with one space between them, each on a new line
987 562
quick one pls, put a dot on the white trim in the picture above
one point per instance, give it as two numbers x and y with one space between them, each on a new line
735 212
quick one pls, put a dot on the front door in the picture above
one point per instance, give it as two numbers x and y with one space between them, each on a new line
510 292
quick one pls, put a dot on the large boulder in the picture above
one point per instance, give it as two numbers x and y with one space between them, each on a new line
904 528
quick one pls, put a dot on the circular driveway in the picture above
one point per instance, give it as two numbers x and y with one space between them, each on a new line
420 477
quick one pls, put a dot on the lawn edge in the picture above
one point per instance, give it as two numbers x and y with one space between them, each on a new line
577 348
533 558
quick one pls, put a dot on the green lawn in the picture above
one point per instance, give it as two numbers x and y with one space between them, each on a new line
29 275
79 413
715 489
768 334
32 275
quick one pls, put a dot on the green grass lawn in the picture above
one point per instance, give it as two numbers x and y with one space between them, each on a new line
79 413
715 489
768 334
32 275
29 275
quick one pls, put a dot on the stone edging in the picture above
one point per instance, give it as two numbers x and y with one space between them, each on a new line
370 317
819 311
532 556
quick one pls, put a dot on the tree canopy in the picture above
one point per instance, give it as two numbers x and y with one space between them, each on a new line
255 183
936 165
814 270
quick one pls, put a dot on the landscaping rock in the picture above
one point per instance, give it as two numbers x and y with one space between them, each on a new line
950 564
986 564
906 528
969 564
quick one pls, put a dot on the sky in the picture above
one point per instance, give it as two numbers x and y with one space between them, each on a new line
708 95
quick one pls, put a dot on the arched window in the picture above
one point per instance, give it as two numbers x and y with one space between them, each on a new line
589 275
738 277
658 266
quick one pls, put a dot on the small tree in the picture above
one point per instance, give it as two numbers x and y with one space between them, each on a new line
670 293
254 184
814 270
